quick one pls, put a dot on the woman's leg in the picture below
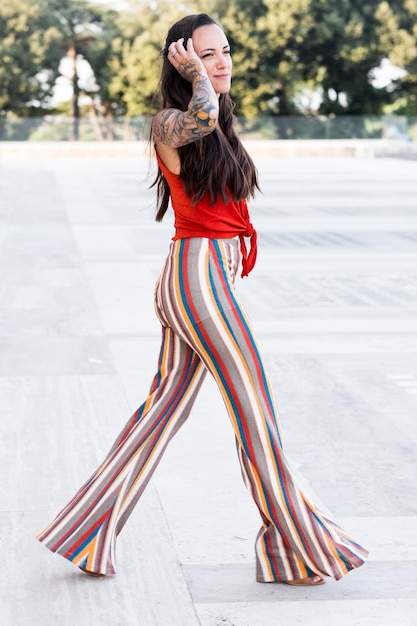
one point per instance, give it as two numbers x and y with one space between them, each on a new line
86 529
198 299
316 545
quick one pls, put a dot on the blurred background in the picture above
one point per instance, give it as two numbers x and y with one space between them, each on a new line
303 69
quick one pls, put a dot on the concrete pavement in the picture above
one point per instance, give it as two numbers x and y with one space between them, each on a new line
334 301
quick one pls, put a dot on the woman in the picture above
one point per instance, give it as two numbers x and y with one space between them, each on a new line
208 175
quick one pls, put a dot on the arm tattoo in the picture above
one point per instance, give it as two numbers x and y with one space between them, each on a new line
177 128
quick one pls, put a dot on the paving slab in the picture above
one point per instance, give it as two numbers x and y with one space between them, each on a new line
333 300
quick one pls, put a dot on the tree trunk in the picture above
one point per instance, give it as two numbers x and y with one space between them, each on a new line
72 53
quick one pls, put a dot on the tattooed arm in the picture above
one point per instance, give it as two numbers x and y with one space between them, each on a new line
175 128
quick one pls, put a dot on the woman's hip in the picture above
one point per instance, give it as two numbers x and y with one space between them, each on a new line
197 278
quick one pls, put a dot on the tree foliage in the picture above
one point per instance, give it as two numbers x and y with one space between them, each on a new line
398 34
290 56
81 27
266 37
29 56
344 45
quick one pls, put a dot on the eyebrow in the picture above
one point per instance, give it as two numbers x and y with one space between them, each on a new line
210 49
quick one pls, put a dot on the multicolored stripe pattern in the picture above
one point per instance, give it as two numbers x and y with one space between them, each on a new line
204 328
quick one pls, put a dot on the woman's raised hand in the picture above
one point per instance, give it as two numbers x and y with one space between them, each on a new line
175 127
185 60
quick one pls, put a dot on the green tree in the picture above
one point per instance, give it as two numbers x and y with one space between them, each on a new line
266 36
29 56
398 35
341 48
99 54
281 50
80 24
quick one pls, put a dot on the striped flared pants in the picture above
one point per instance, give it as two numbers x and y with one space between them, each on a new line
204 328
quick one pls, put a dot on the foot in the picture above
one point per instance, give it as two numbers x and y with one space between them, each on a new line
306 582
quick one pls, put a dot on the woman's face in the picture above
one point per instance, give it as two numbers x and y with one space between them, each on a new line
213 49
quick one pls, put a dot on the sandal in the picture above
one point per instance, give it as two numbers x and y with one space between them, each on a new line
306 582
86 571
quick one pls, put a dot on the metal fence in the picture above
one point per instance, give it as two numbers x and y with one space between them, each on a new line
62 128
331 127
59 128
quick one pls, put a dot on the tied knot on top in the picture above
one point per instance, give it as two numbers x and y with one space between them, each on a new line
248 260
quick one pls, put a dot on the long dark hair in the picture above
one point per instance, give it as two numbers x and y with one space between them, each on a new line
217 163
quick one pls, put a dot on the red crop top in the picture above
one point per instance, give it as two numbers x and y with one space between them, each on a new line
214 221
